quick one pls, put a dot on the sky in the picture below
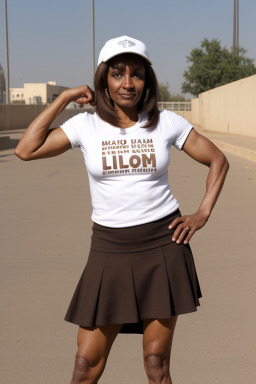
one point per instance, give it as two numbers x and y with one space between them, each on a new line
51 40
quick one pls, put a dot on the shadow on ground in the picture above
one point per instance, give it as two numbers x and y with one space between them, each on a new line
7 143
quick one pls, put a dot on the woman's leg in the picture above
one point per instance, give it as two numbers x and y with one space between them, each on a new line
157 344
94 345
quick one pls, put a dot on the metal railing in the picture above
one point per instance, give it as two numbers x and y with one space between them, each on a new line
175 105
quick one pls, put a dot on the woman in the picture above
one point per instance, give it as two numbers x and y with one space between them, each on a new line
140 273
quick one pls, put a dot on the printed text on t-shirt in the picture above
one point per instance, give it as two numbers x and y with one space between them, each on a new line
128 156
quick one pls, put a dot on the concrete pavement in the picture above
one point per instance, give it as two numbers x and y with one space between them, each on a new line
45 218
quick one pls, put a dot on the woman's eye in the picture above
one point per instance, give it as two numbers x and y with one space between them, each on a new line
138 75
117 75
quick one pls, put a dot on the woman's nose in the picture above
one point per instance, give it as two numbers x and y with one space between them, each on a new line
127 82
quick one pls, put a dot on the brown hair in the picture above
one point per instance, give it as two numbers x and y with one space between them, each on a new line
147 104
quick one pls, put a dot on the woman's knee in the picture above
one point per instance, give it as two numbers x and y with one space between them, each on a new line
87 369
94 345
156 366
157 343
81 369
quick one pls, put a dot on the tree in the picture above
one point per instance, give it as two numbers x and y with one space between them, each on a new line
212 66
165 94
177 97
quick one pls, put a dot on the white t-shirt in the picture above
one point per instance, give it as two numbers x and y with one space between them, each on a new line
128 168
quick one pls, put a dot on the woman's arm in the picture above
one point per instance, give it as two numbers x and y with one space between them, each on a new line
39 141
204 151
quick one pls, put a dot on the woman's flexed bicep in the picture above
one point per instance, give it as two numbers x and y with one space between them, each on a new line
39 141
56 143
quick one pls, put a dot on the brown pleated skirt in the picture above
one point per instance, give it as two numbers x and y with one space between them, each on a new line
132 274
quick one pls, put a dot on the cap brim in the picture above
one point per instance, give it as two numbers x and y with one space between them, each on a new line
122 53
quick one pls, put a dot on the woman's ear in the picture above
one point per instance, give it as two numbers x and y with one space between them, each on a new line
107 93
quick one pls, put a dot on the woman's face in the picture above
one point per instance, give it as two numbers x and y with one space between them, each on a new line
126 80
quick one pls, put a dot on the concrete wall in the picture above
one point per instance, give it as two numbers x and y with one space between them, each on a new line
20 116
230 108
195 117
186 114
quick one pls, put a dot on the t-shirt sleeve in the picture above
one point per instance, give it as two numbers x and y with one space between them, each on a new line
181 129
72 129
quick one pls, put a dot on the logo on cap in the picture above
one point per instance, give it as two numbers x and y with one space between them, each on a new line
126 43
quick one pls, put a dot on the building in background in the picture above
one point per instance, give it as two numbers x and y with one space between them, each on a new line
17 96
2 85
36 93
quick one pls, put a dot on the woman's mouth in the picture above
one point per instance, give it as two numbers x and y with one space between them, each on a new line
127 95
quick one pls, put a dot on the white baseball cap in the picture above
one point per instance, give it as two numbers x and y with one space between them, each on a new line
120 45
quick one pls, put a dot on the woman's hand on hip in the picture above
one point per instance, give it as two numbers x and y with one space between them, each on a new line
185 226
81 95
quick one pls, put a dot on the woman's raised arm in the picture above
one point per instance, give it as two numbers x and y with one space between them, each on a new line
39 141
204 151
